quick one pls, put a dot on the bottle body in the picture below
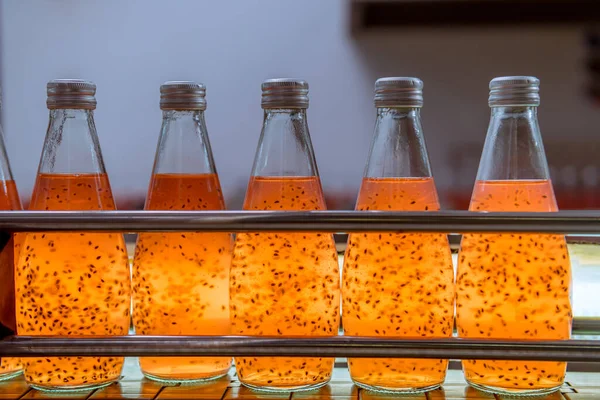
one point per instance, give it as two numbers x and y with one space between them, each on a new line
398 285
284 284
9 201
181 280
72 283
514 286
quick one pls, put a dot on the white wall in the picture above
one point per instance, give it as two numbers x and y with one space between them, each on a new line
130 47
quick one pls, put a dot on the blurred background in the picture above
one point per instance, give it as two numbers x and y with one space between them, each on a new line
128 48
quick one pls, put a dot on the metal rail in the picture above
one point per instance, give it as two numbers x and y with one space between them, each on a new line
586 325
340 346
581 222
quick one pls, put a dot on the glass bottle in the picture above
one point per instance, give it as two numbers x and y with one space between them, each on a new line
398 284
514 285
181 280
72 283
9 248
284 284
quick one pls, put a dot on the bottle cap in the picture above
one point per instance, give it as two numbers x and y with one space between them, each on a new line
71 93
284 93
514 91
182 95
399 92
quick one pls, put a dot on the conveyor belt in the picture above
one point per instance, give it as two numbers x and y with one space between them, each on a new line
579 386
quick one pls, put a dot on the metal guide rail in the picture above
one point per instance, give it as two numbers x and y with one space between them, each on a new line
579 222
578 386
336 346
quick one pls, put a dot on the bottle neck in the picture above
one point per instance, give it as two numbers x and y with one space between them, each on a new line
71 145
5 171
183 145
527 112
398 148
183 119
175 114
74 115
285 120
513 147
285 147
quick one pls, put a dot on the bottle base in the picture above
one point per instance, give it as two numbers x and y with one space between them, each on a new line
514 392
283 389
184 381
75 388
394 391
10 375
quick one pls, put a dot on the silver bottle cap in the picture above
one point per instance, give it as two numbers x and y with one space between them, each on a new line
284 93
71 93
514 91
399 92
182 95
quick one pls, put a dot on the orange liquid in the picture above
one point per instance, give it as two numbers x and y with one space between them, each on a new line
9 197
398 285
9 200
181 280
514 286
72 284
284 284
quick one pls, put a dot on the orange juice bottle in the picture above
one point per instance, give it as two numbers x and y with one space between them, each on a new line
72 283
398 285
284 284
514 285
181 280
9 200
